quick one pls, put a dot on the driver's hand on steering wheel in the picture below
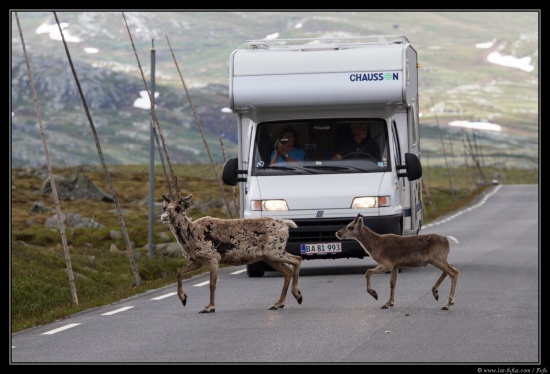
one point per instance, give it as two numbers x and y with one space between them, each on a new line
337 156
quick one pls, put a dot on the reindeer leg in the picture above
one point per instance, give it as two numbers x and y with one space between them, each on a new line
377 270
435 291
287 274
214 269
393 281
191 266
452 272
454 279
369 289
296 264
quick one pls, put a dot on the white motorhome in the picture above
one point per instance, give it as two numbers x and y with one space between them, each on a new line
319 88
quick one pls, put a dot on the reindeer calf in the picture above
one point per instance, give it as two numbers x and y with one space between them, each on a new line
392 252
210 241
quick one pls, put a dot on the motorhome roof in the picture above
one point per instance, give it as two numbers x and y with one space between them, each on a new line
323 43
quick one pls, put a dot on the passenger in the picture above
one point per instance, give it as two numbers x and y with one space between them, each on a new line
286 148
359 143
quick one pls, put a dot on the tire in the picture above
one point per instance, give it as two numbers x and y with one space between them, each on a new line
255 270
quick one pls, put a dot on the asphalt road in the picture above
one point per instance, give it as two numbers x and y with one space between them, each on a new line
495 322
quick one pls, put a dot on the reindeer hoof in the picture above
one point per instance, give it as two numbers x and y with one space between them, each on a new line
184 301
298 296
207 311
373 294
277 308
445 308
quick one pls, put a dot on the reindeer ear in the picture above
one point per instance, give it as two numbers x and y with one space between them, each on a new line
185 201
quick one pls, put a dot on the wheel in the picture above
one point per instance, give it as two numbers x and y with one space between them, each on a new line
255 270
354 155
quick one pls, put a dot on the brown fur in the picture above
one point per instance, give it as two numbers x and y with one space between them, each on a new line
210 241
392 252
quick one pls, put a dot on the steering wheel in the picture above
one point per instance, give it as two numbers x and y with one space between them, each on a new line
355 155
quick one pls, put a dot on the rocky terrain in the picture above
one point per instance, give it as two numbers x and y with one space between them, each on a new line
457 82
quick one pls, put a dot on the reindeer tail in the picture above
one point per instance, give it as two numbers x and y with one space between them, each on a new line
453 239
290 223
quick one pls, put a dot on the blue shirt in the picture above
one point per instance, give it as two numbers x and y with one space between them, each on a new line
296 153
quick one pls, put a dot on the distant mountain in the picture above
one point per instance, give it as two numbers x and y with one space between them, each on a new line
460 79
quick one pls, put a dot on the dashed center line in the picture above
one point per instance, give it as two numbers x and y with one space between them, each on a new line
51 332
117 311
164 296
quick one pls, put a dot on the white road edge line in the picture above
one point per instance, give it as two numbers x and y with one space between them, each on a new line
480 203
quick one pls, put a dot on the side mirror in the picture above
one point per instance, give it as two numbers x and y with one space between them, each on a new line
230 172
412 166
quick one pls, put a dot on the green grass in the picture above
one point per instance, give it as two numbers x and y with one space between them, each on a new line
40 287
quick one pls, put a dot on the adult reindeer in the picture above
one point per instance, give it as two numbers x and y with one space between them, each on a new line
392 252
210 241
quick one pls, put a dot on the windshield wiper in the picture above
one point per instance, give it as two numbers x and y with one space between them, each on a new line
336 168
287 168
327 167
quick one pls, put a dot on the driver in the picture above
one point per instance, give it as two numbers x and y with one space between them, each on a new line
359 142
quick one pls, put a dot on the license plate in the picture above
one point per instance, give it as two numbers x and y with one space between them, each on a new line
320 248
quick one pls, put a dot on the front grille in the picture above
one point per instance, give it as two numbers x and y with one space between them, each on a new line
317 230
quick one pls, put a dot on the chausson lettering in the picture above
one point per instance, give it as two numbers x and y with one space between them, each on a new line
368 77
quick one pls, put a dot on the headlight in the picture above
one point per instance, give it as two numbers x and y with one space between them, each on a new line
371 202
270 205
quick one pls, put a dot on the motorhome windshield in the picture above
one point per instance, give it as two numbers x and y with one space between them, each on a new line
321 147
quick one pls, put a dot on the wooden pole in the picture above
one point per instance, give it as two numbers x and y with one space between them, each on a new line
50 172
129 250
202 133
